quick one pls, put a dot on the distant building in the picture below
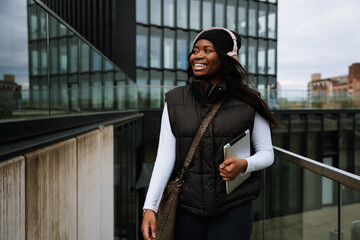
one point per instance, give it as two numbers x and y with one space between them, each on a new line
7 87
344 88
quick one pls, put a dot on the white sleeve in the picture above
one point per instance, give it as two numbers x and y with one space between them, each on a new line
261 141
164 164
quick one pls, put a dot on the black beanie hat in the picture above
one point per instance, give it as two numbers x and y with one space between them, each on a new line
221 39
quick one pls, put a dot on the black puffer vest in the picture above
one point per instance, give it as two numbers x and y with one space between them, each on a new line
203 191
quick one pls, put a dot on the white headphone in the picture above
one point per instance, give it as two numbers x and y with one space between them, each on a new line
232 53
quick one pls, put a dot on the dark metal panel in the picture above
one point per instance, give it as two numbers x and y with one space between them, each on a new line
124 38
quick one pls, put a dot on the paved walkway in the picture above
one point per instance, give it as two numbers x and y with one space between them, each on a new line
311 225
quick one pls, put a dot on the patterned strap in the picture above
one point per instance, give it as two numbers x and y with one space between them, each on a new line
199 134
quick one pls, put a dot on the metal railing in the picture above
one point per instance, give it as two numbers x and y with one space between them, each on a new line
307 199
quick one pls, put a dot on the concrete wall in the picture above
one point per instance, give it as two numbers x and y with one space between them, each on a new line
63 191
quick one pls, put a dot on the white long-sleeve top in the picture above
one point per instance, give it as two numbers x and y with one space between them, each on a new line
165 159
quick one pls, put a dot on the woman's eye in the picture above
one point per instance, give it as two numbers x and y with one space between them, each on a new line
208 50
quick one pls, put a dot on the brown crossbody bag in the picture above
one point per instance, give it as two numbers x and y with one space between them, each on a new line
166 215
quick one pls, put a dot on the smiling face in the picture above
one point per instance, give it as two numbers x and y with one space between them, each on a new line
205 61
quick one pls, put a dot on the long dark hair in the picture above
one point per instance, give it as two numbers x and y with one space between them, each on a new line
237 79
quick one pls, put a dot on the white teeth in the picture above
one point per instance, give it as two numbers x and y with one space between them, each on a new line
199 65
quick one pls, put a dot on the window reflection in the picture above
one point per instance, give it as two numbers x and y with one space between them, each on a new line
141 46
63 56
155 12
33 23
195 14
141 11
155 47
96 91
219 13
182 13
34 62
42 25
85 57
44 59
242 52
262 57
271 57
73 55
96 61
272 22
169 79
53 27
169 13
262 20
242 17
252 56
169 40
181 49
252 18
207 14
155 89
143 90
230 15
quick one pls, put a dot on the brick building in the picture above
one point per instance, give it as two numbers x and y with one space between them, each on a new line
334 90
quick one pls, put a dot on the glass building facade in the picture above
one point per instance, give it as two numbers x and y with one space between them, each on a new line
165 30
66 73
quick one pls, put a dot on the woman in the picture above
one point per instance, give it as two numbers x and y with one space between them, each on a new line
205 210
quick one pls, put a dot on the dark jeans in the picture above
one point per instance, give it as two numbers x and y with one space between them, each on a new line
230 225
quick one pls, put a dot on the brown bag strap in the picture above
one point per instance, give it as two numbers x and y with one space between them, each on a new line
199 134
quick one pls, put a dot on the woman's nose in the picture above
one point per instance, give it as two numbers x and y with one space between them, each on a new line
199 55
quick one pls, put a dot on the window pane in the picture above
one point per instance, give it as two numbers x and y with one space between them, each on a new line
169 13
142 81
207 14
262 57
85 57
262 20
96 91
44 59
155 48
54 56
169 48
63 56
34 61
242 18
242 52
272 22
53 27
155 12
141 11
271 57
181 78
252 56
42 24
219 13
96 61
181 49
34 26
192 37
230 15
182 13
155 90
169 79
195 14
252 18
73 55
141 46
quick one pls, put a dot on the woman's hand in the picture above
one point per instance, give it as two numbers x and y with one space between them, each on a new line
232 167
148 226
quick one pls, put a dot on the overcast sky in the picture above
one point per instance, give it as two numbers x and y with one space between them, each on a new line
316 36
